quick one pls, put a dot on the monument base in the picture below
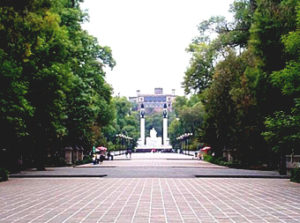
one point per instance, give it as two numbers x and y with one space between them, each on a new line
153 143
149 149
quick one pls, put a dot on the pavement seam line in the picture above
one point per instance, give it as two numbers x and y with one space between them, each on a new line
151 198
174 200
184 199
126 202
78 201
283 197
100 203
162 199
107 210
239 204
216 197
139 200
44 213
56 189
209 200
213 217
255 201
102 192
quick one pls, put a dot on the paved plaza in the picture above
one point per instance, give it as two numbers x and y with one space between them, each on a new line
150 165
143 199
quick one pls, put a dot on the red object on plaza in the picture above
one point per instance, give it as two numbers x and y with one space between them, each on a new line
205 148
101 148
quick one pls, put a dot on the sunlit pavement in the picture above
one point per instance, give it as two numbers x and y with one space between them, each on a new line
143 199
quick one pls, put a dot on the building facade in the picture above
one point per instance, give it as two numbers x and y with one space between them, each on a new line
156 101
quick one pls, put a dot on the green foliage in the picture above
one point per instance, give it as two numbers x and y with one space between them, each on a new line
208 158
221 161
206 52
189 119
198 75
282 128
295 175
56 161
179 102
272 20
86 159
124 121
230 110
3 174
175 130
154 121
52 90
247 72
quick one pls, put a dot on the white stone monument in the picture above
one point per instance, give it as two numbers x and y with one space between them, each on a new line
166 140
153 142
141 140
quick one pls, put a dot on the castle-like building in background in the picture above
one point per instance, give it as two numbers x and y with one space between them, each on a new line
154 101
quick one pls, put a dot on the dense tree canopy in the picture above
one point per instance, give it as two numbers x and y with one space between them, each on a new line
190 116
247 77
53 89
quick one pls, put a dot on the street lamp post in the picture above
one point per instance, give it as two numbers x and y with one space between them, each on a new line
124 142
184 138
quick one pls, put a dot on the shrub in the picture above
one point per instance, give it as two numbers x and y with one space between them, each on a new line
78 162
86 159
209 158
221 161
295 175
3 174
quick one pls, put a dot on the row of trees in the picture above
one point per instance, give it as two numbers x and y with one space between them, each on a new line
125 121
52 87
246 80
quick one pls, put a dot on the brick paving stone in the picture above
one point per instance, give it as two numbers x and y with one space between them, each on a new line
149 200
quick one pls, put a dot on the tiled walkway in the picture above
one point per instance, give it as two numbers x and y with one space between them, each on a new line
147 165
149 200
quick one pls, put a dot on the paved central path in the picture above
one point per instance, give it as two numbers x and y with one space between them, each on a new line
151 165
148 199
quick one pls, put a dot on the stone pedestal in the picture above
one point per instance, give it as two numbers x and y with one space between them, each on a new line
165 132
68 155
292 161
75 154
80 153
142 128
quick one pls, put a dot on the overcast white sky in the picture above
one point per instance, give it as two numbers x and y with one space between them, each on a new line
148 39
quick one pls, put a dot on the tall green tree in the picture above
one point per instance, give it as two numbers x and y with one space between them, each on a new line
206 51
190 115
53 75
126 121
282 128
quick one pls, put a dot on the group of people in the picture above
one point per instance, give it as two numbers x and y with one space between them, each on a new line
99 157
103 155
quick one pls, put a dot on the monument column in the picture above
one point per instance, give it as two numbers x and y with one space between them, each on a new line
165 126
142 125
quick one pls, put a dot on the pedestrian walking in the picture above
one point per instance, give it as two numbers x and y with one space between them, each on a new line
97 158
129 151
